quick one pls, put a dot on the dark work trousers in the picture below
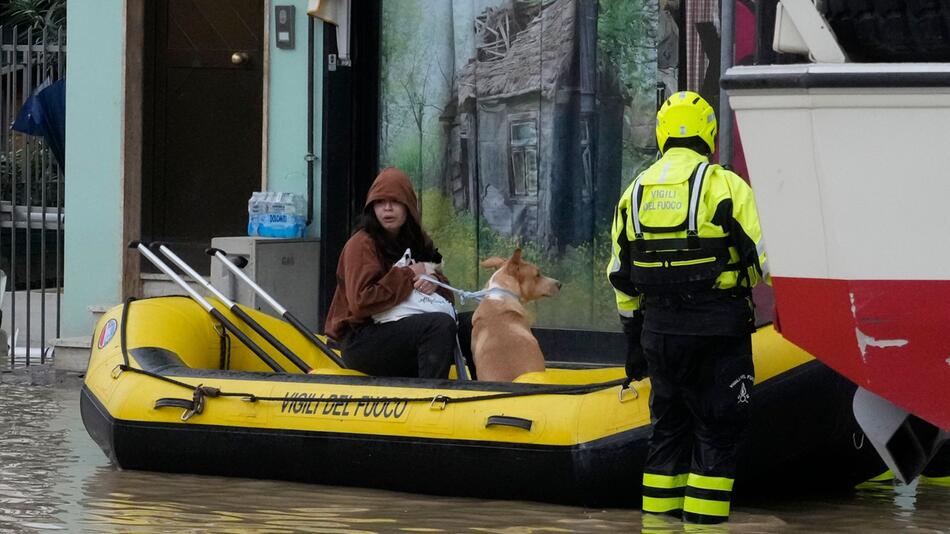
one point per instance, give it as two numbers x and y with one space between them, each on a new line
700 401
418 346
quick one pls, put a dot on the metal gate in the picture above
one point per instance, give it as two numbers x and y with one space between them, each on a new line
31 201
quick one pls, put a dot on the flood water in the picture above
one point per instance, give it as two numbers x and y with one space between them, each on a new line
54 478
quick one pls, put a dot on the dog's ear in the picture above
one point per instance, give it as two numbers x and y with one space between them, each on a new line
516 256
493 262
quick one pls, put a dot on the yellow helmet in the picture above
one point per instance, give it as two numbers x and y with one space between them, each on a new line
686 114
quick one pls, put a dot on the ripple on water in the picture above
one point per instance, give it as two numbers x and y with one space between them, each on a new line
52 477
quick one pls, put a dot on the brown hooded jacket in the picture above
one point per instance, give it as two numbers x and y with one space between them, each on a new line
365 284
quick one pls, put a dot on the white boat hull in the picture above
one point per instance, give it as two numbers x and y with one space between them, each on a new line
850 165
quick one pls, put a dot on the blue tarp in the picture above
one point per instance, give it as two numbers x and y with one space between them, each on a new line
44 114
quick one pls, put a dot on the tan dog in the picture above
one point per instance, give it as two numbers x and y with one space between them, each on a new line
502 343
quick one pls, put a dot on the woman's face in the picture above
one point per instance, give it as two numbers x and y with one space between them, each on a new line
390 214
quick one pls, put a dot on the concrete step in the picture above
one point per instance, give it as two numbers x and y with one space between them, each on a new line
161 285
71 354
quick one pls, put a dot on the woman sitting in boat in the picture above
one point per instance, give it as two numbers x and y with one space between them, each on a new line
372 282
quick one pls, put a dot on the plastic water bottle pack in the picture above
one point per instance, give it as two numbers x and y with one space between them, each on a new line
274 214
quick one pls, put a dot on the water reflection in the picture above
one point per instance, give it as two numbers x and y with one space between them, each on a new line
154 502
53 477
32 457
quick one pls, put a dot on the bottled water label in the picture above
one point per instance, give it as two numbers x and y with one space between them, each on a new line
275 214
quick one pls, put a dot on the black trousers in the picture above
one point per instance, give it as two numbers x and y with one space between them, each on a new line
418 346
700 401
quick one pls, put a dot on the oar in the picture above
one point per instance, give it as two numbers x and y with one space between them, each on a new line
235 309
228 325
222 256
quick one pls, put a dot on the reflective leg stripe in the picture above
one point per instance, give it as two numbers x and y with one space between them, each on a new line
663 493
710 483
662 505
700 505
886 476
653 480
707 499
938 481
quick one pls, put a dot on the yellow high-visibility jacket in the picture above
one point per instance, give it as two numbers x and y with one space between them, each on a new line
684 226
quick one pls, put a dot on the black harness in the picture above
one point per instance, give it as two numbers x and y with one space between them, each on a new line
677 265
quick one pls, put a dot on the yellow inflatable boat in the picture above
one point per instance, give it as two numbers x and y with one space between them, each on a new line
167 390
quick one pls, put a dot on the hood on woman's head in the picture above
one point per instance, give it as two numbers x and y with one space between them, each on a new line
391 183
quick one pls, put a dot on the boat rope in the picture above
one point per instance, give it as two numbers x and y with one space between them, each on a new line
477 296
224 351
439 401
125 321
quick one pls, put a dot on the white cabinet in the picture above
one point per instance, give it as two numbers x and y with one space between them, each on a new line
288 269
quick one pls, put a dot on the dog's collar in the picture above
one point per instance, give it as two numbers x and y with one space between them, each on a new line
474 295
501 291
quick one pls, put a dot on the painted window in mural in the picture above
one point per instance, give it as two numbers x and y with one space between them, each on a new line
523 147
520 123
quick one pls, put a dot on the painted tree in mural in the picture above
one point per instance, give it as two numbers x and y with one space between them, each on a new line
627 36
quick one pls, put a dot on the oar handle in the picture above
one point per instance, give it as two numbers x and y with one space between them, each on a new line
191 272
223 256
162 266
235 309
302 328
228 325
264 333
238 333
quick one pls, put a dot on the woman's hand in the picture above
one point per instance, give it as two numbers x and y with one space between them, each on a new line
425 286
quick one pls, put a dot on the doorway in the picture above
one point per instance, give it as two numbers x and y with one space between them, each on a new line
202 121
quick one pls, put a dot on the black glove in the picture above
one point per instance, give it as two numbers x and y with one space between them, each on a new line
636 365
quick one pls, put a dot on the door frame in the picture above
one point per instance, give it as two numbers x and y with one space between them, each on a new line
350 144
137 72
132 152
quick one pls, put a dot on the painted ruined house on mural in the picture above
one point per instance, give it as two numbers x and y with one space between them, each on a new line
535 124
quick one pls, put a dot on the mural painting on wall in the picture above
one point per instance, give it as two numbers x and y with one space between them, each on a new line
520 122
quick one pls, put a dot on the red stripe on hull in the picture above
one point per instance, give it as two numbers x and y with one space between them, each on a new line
890 336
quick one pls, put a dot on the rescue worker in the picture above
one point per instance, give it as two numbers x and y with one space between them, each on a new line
687 250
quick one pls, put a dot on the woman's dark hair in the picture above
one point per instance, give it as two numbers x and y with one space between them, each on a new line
410 236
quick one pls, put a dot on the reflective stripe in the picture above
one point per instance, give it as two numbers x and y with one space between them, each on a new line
886 476
659 505
663 173
664 481
626 304
635 206
694 198
699 261
615 265
710 483
706 507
